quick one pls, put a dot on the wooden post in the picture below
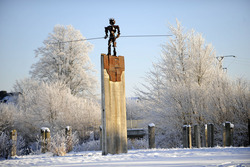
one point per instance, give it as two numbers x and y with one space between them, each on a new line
249 132
45 133
228 134
69 142
13 138
151 135
184 136
100 137
232 134
114 122
210 135
187 136
224 135
206 137
197 136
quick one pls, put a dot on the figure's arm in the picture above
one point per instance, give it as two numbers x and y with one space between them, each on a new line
106 32
118 29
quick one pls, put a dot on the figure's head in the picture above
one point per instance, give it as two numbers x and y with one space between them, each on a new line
111 21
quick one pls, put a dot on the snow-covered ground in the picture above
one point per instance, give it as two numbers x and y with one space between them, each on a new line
156 157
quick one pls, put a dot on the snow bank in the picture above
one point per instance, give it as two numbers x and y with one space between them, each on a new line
155 157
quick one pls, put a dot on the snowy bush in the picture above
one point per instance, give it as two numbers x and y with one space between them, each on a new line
7 112
52 105
58 144
35 147
134 144
21 146
5 145
93 145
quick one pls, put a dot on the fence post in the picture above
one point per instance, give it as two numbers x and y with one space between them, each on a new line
151 135
69 142
206 137
232 134
197 136
210 135
228 135
224 134
13 138
249 132
45 133
187 136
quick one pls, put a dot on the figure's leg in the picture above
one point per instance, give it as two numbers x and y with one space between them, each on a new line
109 47
114 46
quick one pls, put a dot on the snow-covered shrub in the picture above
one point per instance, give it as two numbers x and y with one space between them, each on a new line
58 144
21 146
7 112
5 145
35 147
88 146
52 105
137 144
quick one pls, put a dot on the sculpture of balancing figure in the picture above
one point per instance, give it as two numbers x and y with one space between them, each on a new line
112 37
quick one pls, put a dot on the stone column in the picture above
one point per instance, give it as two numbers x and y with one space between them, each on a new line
69 139
114 122
197 136
45 133
151 135
13 138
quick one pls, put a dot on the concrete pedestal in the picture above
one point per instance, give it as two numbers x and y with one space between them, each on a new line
114 122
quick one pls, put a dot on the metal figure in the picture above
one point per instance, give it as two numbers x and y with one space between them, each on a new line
112 37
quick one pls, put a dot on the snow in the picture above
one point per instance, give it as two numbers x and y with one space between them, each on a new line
44 129
231 125
187 126
155 157
151 125
68 128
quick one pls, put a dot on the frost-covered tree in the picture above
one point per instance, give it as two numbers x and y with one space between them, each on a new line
52 105
186 86
66 62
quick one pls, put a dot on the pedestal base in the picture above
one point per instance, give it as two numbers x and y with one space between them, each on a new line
114 122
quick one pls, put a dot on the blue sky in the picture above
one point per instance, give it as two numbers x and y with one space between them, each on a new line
24 24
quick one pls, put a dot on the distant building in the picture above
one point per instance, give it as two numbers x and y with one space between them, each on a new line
136 99
8 97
